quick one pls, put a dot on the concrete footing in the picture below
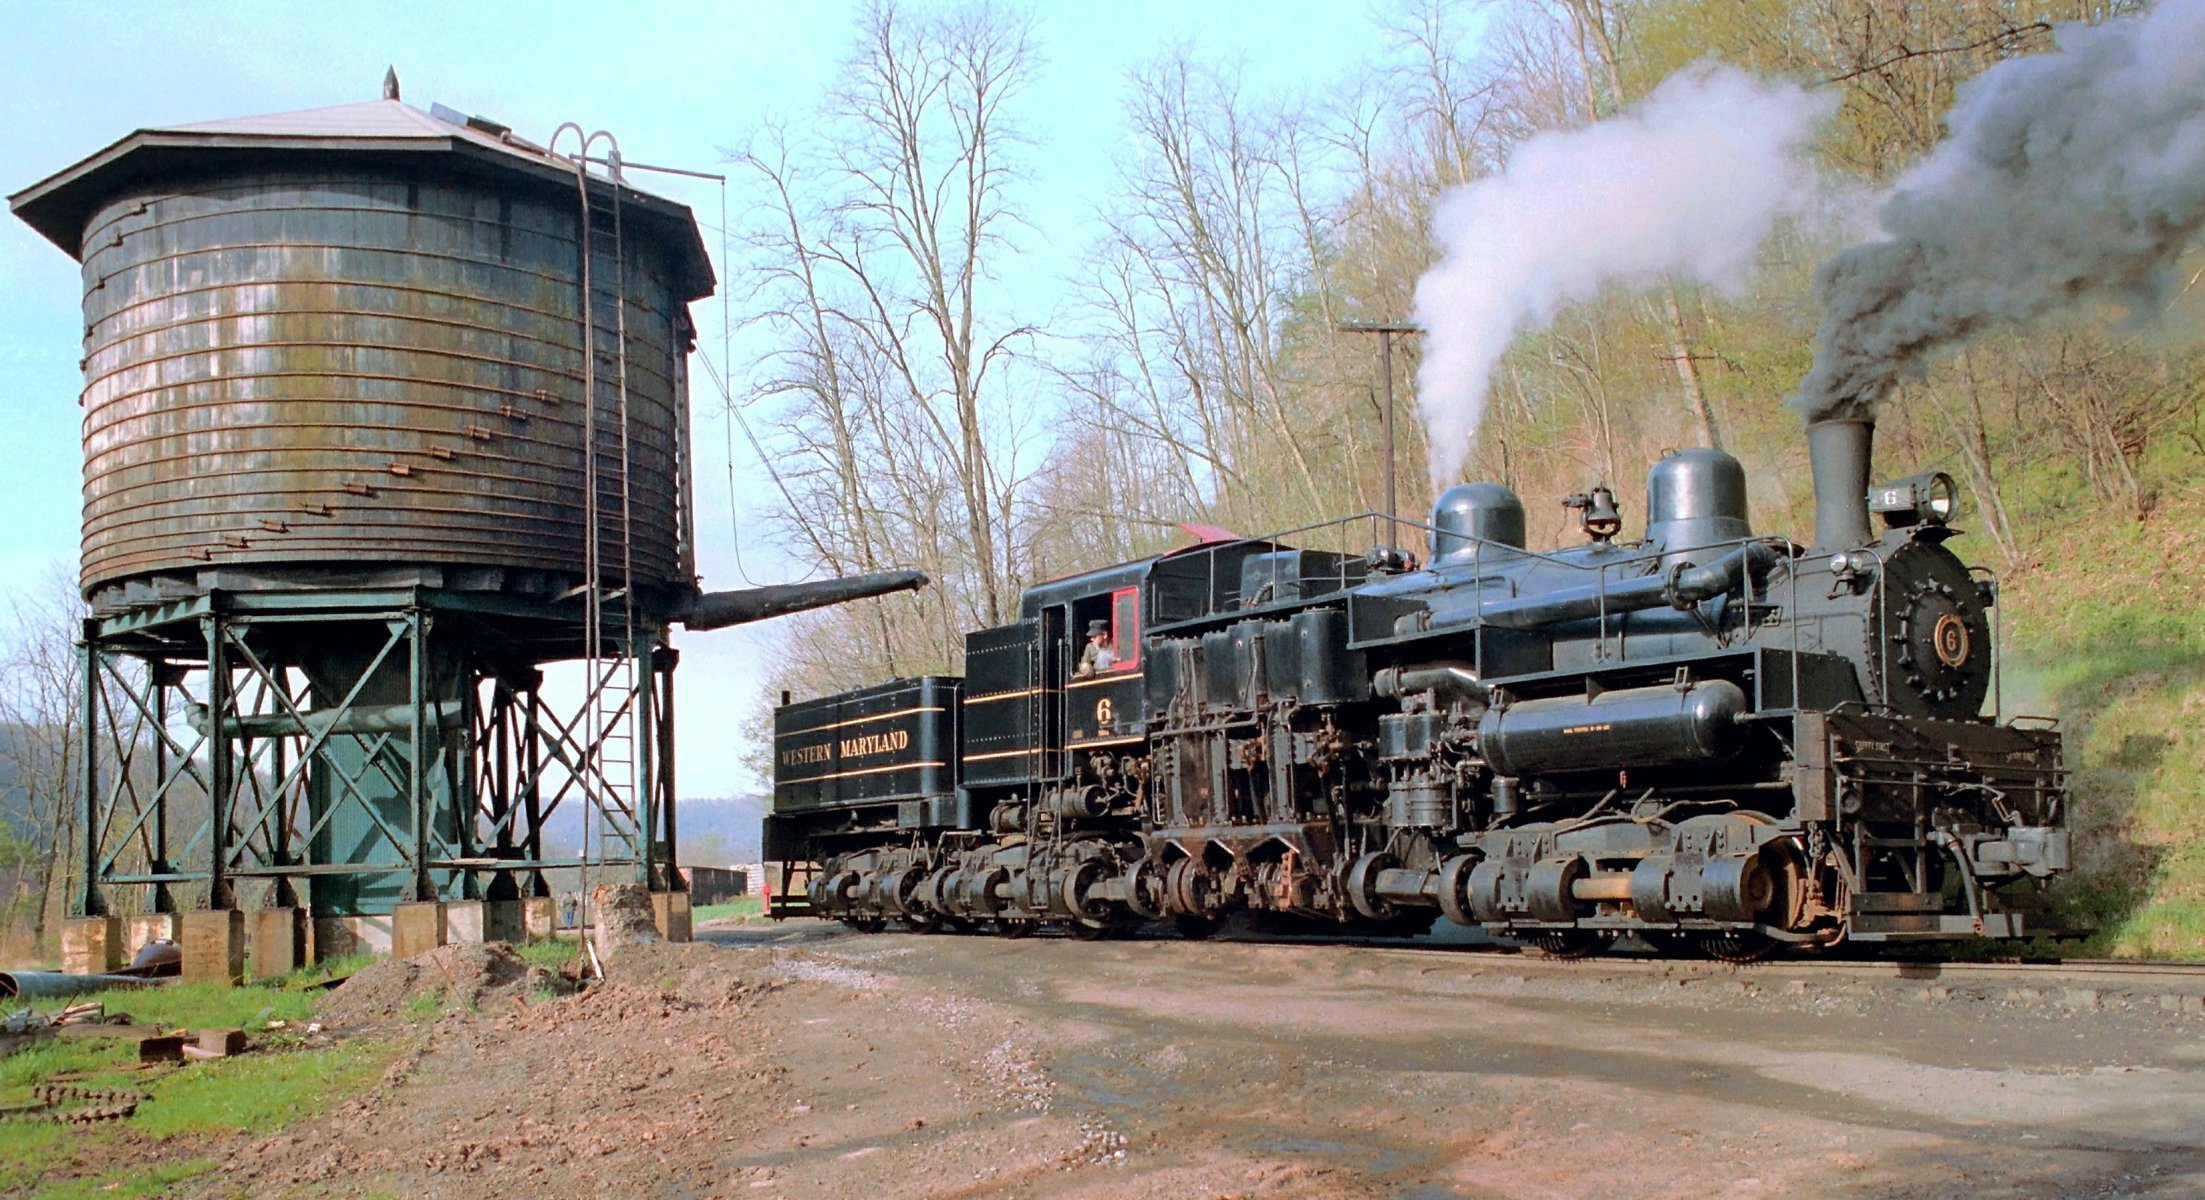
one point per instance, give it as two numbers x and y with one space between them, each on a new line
501 921
416 928
336 937
463 922
91 945
279 941
213 941
670 912
540 916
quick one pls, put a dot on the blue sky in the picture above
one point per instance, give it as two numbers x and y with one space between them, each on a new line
676 82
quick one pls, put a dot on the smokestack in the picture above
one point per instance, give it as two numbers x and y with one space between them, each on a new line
718 610
1839 451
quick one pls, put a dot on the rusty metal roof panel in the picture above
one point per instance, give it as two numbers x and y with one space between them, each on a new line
369 118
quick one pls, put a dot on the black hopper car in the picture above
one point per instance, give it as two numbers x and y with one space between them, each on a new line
1710 739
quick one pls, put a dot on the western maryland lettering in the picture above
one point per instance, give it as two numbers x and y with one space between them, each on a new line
863 745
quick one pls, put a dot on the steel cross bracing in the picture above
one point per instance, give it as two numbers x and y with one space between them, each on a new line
223 750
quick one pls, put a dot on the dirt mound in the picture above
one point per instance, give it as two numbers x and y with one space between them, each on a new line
448 979
688 973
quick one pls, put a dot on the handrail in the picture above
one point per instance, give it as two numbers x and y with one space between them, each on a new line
1627 582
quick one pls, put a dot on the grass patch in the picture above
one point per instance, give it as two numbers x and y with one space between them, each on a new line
134 1182
279 1081
552 953
742 906
256 1092
210 1005
27 1152
171 1006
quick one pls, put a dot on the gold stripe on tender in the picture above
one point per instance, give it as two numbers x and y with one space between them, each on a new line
1116 741
901 712
971 700
995 754
912 766
1093 680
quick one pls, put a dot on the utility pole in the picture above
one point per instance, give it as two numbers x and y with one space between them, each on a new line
1385 331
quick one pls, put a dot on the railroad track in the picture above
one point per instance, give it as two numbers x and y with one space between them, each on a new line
2171 977
2174 978
2075 972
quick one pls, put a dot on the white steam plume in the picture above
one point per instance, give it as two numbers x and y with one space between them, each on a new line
1687 184
2068 178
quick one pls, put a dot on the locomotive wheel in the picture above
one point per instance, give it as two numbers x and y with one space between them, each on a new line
1144 888
1454 888
1195 928
958 925
1737 946
866 924
1014 927
1088 930
924 922
1074 891
903 892
1189 889
1361 886
1569 945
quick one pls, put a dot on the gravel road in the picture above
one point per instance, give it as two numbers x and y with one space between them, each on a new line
801 1061
1250 1069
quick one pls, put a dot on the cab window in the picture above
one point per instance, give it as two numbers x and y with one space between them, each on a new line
1125 628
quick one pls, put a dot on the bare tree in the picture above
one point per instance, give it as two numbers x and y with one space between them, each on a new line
1212 239
41 750
874 252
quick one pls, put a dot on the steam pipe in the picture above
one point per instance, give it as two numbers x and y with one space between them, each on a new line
1453 678
360 718
718 610
1681 587
1839 450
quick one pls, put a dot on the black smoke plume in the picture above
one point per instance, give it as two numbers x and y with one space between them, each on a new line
2071 177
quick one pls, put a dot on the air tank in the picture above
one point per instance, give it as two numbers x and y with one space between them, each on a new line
1633 727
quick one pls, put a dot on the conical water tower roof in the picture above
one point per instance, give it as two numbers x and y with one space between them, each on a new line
58 205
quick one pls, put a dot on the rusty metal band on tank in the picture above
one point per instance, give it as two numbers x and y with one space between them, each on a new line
1711 739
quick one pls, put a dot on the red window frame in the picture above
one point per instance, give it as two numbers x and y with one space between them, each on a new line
1125 628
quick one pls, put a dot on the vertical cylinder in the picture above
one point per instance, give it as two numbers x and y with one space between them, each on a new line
90 903
221 696
1839 452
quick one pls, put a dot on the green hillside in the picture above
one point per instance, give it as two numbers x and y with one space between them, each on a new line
2106 635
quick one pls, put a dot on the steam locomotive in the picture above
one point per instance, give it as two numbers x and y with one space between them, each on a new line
1709 739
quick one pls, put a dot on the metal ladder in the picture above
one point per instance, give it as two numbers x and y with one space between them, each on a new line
612 718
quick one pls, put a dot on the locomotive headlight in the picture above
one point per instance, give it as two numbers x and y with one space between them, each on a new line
1930 499
1851 565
